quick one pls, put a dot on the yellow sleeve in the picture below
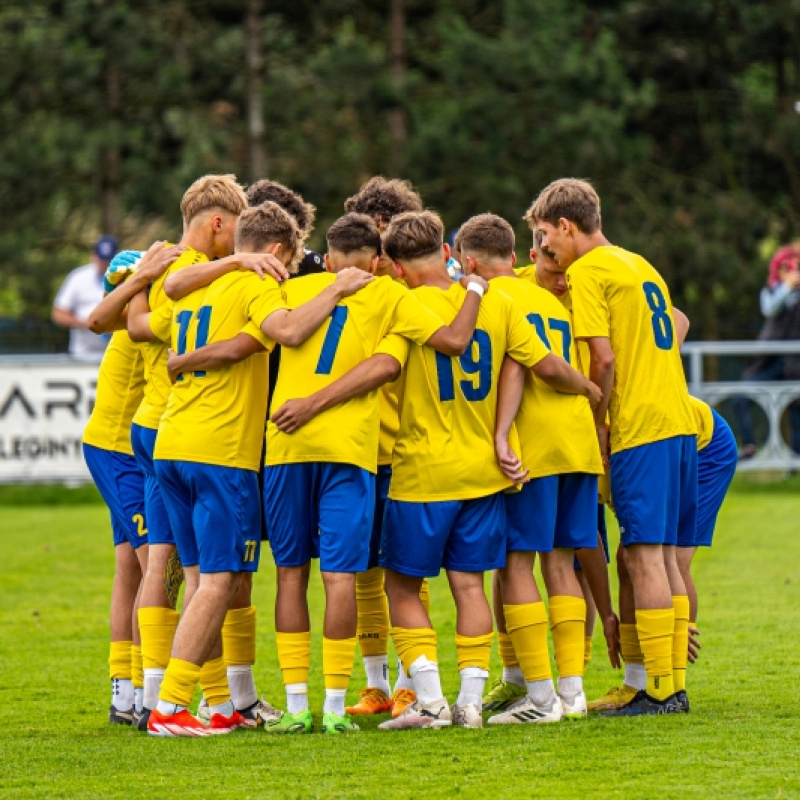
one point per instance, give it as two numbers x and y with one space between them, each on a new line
589 304
161 321
412 319
252 330
266 299
395 346
522 342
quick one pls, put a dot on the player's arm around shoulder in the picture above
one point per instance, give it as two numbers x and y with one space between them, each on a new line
214 356
453 339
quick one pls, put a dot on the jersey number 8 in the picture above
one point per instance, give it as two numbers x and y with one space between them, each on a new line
661 321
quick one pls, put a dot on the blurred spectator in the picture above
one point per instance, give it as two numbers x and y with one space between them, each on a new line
81 291
780 305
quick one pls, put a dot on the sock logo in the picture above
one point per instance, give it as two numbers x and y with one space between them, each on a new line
657 683
368 635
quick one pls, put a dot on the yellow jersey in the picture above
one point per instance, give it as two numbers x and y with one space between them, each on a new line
157 386
347 433
620 296
445 444
217 417
705 422
120 388
389 399
556 431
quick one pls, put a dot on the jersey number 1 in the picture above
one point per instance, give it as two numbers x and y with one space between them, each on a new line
331 341
184 319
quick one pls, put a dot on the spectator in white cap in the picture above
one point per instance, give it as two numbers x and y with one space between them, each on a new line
81 291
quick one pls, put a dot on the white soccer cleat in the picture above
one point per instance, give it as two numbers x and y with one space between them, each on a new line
418 715
526 712
468 716
577 709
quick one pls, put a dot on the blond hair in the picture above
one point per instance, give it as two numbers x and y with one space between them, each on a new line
486 234
573 199
213 191
268 224
413 235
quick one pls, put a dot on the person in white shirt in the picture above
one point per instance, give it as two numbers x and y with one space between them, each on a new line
81 291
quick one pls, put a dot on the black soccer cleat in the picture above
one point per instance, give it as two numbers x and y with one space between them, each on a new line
120 717
642 704
683 701
140 719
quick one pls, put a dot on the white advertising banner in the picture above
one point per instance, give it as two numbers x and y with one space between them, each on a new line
44 407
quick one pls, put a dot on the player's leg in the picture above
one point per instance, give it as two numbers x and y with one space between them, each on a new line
591 616
412 548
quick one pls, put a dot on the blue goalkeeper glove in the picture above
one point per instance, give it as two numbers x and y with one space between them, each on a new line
122 266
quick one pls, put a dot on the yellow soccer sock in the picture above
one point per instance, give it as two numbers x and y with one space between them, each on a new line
526 624
157 628
179 682
474 651
507 654
119 661
337 662
411 643
656 629
213 681
239 636
680 641
294 656
137 670
425 596
587 651
568 625
629 644
373 613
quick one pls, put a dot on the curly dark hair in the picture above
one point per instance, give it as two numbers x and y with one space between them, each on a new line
271 191
382 199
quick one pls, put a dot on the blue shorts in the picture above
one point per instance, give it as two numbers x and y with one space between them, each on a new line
602 532
463 535
716 464
655 490
383 479
215 514
121 484
319 510
159 531
556 511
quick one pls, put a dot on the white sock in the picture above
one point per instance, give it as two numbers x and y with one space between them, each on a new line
152 686
122 694
425 677
473 680
377 669
403 681
542 693
514 675
296 697
167 709
226 709
242 685
138 698
334 701
570 688
635 676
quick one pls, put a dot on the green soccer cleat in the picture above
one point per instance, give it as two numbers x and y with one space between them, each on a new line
501 695
301 722
333 723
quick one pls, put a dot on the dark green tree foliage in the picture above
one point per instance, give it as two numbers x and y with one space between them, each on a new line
683 115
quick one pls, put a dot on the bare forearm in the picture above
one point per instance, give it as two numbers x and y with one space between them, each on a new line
66 319
186 281
602 375
219 354
362 379
559 375
109 314
510 386
454 339
292 328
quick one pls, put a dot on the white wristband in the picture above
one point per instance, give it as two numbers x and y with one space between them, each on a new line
472 286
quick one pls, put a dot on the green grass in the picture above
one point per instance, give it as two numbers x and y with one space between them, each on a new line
741 739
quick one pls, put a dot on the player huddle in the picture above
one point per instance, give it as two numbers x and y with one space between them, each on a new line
417 423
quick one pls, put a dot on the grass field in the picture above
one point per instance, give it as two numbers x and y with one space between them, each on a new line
741 739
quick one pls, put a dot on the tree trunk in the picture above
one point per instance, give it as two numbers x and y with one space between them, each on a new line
397 115
254 57
110 177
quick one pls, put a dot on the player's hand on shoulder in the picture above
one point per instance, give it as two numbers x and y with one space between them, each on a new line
466 280
158 259
263 264
351 279
293 414
510 464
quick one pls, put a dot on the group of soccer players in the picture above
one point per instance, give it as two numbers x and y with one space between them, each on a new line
413 423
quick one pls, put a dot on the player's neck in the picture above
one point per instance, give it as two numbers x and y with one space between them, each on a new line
496 270
430 276
199 241
586 242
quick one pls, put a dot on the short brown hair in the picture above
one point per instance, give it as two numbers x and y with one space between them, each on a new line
487 234
266 190
571 198
412 235
213 191
354 232
267 224
383 199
